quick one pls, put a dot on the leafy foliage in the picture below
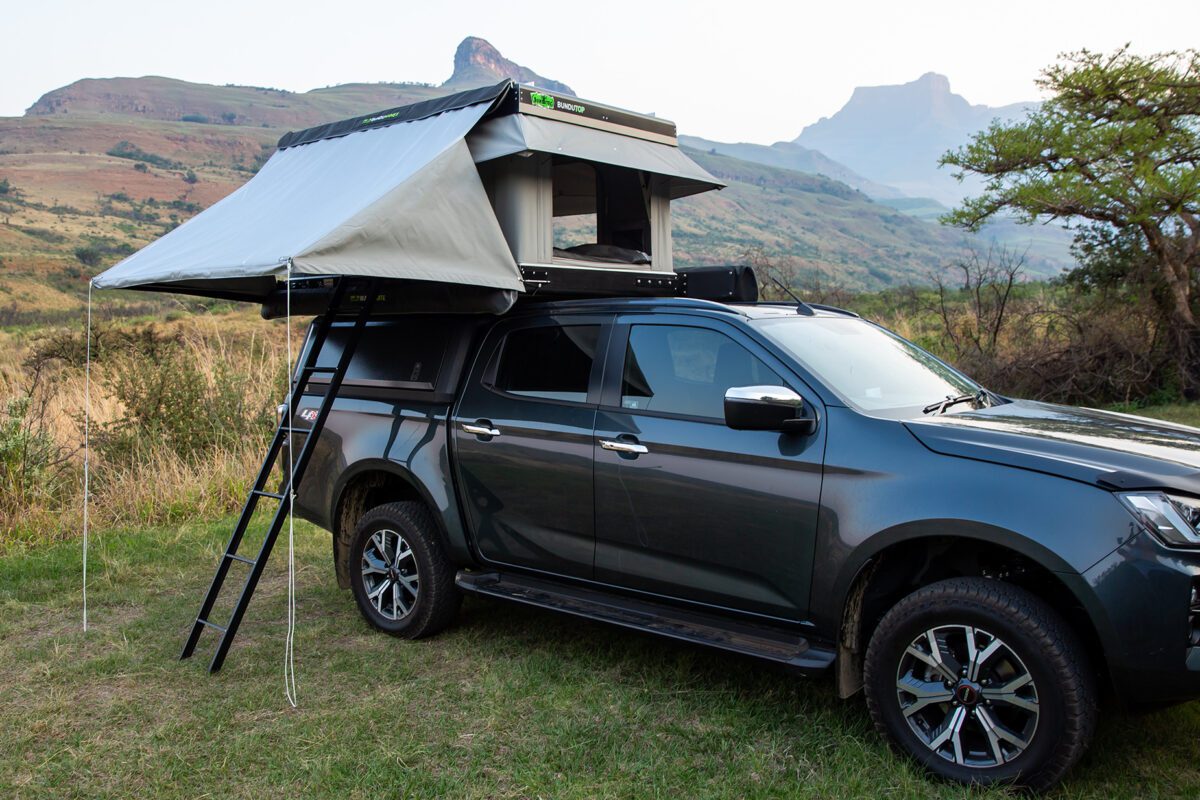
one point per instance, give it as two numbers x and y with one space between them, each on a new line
1117 146
171 398
34 468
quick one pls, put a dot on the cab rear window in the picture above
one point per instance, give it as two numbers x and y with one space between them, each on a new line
549 362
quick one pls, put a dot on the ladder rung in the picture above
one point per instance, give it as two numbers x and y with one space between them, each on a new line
321 370
296 430
214 625
242 559
264 493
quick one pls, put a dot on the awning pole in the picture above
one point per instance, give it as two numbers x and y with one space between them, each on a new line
87 422
289 652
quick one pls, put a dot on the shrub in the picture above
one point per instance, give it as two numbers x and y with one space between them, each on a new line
88 256
190 177
192 403
195 118
126 149
33 466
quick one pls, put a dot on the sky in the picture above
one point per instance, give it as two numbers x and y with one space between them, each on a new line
731 71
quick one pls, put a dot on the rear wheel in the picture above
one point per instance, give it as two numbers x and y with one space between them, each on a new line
981 682
402 581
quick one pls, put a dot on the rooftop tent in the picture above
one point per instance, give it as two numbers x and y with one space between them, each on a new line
393 195
443 195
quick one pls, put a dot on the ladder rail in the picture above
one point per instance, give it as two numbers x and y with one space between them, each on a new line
283 440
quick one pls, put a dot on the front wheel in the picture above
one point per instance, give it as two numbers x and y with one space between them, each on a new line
402 581
981 682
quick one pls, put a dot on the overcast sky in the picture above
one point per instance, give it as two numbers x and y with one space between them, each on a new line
749 71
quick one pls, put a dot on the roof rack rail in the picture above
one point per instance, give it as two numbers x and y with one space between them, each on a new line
834 309
643 303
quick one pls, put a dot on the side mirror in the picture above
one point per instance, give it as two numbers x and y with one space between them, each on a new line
768 408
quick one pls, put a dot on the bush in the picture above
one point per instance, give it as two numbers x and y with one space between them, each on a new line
126 149
195 118
34 468
174 397
190 177
88 256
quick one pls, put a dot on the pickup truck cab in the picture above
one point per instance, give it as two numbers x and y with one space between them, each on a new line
789 482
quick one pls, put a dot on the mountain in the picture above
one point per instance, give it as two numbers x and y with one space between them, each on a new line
790 155
895 134
478 63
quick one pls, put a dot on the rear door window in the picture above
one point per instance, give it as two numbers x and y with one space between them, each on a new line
550 362
683 370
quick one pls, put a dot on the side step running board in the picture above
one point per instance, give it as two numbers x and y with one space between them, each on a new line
773 643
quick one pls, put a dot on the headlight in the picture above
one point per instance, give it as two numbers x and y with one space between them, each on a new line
1173 518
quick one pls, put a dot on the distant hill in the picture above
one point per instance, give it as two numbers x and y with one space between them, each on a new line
895 134
172 100
822 225
790 155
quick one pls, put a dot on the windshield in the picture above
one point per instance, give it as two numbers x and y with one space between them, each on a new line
871 369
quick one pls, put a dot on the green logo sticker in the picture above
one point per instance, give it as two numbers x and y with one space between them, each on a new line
543 100
379 118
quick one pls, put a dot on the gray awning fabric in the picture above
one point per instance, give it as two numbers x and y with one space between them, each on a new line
403 201
516 133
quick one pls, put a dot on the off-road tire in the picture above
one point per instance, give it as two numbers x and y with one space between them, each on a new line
437 600
1038 636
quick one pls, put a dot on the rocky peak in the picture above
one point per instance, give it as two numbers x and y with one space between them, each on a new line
477 62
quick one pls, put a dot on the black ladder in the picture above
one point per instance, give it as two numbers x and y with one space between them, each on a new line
281 442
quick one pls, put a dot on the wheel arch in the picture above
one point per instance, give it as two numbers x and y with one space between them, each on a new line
903 560
363 486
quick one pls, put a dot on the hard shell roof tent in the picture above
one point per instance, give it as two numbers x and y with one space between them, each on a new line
579 158
453 201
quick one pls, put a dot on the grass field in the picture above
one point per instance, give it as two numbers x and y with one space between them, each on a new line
511 702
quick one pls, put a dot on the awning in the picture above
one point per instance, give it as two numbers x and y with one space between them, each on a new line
401 200
517 133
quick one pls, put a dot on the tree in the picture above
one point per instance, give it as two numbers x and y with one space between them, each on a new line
1114 151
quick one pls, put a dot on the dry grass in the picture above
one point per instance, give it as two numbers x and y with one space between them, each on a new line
160 485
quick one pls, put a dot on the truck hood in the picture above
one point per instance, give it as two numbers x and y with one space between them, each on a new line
1114 451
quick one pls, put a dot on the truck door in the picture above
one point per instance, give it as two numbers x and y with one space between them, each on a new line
523 432
687 507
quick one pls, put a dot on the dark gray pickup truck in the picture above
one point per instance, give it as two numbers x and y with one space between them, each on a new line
788 482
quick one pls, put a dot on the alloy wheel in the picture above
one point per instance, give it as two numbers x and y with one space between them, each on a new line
967 696
390 576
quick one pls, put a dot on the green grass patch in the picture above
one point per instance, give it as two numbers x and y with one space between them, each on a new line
510 702
1183 413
